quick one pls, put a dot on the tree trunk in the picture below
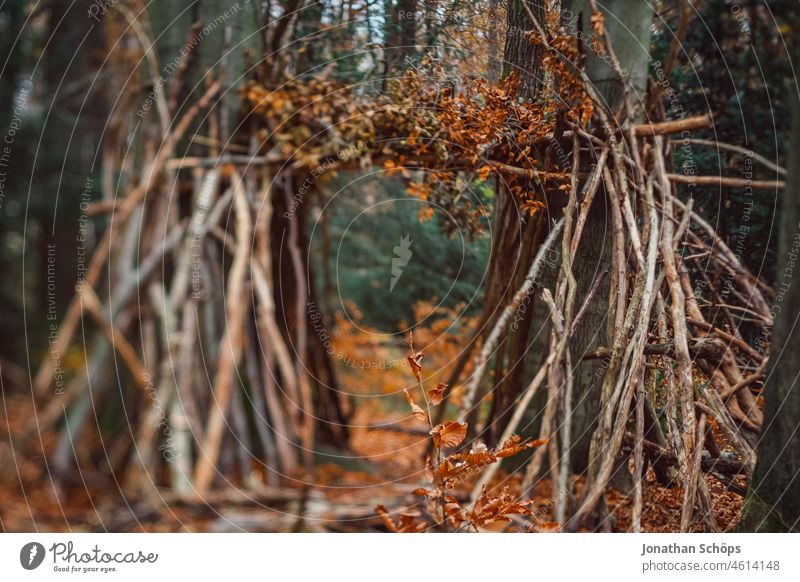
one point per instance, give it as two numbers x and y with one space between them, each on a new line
773 500
400 33
594 252
521 55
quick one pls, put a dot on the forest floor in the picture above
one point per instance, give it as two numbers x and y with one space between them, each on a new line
387 470
384 466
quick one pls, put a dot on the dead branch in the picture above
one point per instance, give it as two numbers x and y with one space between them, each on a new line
230 345
672 127
726 181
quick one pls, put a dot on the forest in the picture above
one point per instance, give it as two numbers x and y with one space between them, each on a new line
399 266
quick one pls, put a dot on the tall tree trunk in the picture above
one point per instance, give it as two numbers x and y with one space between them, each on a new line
400 33
628 25
515 232
72 138
773 500
494 66
630 38
521 55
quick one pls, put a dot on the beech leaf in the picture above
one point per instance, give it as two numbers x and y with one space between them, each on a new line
449 434
415 362
415 410
436 394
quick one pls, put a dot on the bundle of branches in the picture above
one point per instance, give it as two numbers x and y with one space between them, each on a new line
664 345
188 304
205 300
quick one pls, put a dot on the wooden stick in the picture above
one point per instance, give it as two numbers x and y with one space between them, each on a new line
114 337
638 455
230 346
734 148
726 181
734 341
44 376
690 486
746 381
676 126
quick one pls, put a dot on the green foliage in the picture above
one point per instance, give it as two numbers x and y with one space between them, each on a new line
732 63
368 219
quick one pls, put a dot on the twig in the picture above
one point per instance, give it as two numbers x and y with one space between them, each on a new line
491 341
726 181
230 345
734 148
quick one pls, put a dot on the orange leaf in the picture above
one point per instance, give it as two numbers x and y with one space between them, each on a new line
449 434
513 446
436 394
416 366
408 521
415 410
454 512
388 521
598 21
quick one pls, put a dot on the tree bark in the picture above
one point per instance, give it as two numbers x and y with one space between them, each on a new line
521 55
773 500
594 251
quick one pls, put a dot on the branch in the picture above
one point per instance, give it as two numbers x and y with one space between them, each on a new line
728 338
505 316
114 337
734 148
676 126
725 181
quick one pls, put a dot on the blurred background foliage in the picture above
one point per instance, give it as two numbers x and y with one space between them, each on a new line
732 62
369 216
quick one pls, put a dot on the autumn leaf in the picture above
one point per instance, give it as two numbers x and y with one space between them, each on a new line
408 521
392 168
532 206
415 410
514 445
479 455
388 521
418 190
454 511
449 434
449 468
436 394
416 365
489 508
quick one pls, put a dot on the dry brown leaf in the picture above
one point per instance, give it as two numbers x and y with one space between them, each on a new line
415 362
489 508
415 410
408 521
449 434
449 468
436 394
598 21
514 445
454 512
387 520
